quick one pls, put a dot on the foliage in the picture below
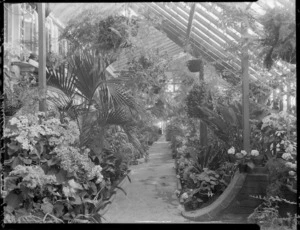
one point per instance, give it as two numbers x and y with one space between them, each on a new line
275 138
199 168
100 32
267 215
225 122
244 159
172 130
280 36
147 78
43 160
200 187
114 32
104 101
20 91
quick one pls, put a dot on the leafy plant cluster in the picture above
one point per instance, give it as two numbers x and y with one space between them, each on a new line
199 168
224 121
96 130
20 88
147 78
100 32
280 36
277 140
43 159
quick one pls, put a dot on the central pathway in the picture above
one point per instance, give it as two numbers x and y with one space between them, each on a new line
151 193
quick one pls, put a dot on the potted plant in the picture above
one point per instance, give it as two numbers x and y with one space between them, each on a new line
244 159
195 65
257 158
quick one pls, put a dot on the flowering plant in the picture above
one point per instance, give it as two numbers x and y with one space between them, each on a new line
244 158
43 160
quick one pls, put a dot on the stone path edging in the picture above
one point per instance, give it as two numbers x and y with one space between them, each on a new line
122 183
210 212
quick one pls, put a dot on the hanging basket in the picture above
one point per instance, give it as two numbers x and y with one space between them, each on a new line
194 65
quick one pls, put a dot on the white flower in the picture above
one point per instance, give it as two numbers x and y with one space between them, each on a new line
239 155
294 166
289 164
210 194
231 150
254 153
290 148
100 179
184 196
287 156
243 152
14 121
292 173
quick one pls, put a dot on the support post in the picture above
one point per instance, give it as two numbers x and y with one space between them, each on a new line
203 127
245 91
191 16
42 57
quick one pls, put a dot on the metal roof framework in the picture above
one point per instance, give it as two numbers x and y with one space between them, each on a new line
208 37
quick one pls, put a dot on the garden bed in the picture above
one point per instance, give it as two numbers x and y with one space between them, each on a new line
220 203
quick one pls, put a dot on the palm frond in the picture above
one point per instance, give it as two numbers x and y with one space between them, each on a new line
133 138
61 78
89 69
121 97
119 116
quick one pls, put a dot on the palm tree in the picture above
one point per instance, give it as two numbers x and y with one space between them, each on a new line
81 90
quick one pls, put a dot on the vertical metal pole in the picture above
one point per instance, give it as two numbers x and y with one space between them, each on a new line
245 97
42 57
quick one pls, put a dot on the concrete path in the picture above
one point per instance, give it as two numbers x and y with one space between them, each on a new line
150 195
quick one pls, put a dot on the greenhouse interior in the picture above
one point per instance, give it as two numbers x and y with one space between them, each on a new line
150 112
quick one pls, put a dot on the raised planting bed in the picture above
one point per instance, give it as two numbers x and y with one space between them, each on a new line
236 200
211 211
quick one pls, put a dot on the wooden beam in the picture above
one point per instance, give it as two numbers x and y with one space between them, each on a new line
245 90
42 57
191 17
